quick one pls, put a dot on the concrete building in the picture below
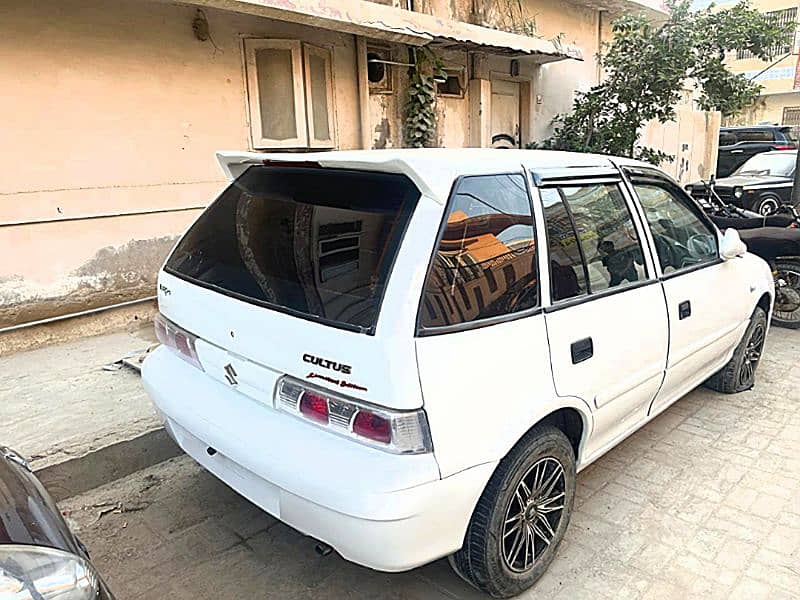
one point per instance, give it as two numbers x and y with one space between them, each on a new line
779 77
113 112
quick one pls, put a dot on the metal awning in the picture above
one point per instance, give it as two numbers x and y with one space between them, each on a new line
455 35
379 21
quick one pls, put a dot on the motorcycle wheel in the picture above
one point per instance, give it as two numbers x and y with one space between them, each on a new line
786 312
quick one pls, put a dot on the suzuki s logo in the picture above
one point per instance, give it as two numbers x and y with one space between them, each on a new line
231 374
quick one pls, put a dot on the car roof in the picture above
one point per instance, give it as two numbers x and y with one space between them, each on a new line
433 170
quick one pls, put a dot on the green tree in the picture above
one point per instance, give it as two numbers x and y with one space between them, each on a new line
649 66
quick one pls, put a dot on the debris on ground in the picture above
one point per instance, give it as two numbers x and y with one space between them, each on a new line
116 507
132 360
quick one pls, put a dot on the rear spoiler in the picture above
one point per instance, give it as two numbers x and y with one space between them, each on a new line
234 163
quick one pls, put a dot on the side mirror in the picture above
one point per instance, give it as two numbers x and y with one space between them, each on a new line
732 245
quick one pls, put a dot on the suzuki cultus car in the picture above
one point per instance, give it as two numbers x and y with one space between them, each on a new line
409 354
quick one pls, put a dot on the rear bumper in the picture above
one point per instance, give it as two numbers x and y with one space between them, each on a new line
384 511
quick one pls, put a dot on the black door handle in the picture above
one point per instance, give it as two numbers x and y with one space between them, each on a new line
581 350
684 309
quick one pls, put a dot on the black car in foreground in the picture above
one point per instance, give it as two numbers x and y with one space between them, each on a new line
761 184
738 144
40 558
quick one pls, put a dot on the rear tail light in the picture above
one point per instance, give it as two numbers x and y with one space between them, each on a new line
178 340
315 407
375 427
399 432
784 146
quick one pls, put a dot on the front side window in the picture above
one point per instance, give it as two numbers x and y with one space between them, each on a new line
682 238
485 263
592 240
727 138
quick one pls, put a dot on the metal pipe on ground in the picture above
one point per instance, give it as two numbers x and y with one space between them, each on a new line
82 313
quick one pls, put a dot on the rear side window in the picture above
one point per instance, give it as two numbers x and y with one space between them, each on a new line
755 135
567 273
316 243
485 262
790 133
593 243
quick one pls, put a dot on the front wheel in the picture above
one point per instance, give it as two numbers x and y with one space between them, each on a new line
521 516
768 206
787 294
739 373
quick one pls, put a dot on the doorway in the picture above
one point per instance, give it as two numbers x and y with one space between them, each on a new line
505 114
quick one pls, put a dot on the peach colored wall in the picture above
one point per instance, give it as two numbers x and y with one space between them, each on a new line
452 113
556 83
117 108
692 139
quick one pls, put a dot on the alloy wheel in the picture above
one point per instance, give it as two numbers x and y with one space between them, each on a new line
752 355
533 514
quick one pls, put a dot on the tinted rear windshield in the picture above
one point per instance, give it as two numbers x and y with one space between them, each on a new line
316 243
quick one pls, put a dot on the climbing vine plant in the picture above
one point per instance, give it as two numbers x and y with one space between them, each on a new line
419 129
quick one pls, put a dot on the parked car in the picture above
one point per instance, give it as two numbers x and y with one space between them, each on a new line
762 184
737 144
409 354
40 558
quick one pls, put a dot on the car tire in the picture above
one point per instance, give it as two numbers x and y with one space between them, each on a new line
511 539
768 205
738 374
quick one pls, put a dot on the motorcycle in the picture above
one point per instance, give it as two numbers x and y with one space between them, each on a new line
776 239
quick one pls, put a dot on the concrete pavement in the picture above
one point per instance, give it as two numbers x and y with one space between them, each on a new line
79 425
702 503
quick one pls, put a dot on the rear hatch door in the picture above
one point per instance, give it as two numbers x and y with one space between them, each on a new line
286 273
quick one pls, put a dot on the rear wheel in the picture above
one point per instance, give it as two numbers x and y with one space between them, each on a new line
787 294
521 516
740 372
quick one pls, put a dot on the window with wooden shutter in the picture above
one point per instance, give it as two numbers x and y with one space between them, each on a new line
290 94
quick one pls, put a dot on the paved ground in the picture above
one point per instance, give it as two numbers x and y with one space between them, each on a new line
57 402
702 503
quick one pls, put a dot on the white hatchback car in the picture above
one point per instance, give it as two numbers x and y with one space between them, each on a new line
409 354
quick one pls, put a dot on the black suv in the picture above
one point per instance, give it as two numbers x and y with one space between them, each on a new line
737 144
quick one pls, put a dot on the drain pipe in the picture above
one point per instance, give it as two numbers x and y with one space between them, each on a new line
82 313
